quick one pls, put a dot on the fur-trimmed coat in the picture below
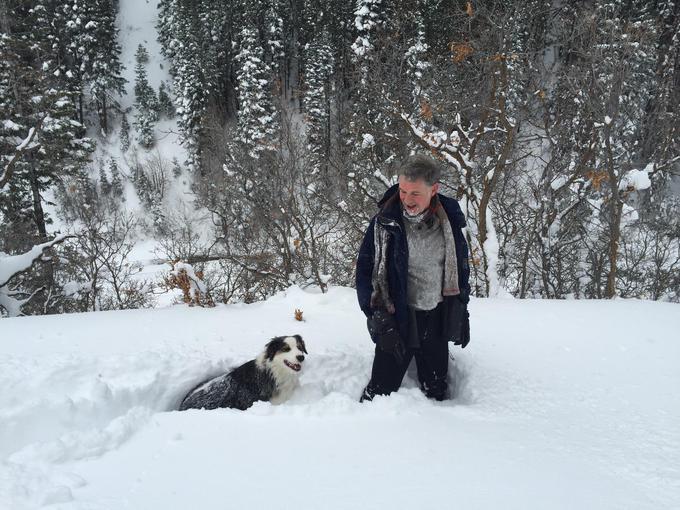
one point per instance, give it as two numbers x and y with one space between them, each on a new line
456 322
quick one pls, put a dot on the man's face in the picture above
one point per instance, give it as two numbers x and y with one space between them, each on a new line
415 196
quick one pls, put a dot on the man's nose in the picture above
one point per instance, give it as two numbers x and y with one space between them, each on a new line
300 357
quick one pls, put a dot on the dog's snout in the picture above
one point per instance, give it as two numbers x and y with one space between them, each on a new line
300 357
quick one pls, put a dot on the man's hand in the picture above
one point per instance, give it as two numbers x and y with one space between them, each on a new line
383 329
465 329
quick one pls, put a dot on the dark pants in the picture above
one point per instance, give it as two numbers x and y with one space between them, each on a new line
432 361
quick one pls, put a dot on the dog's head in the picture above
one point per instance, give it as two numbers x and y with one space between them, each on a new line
288 351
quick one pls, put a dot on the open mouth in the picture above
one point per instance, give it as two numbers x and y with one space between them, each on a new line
292 366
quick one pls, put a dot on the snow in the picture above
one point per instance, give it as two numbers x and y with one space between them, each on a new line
11 265
558 404
439 140
73 288
10 125
558 182
637 179
196 283
26 140
628 214
368 141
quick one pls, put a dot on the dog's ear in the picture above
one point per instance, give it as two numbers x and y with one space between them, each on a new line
300 343
272 347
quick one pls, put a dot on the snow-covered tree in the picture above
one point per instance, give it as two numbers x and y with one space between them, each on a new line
12 297
36 96
196 39
146 102
116 182
257 117
319 66
165 104
103 76
124 133
104 184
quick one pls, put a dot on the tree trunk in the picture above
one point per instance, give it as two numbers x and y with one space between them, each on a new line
614 238
79 108
103 117
489 185
38 213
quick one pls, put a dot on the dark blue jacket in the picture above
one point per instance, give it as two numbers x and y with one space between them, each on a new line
390 217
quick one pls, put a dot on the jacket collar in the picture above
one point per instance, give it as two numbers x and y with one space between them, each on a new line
390 207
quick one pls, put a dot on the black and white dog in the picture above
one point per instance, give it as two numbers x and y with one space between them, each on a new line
271 377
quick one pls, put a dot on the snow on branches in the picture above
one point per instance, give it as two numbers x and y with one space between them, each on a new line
13 299
190 282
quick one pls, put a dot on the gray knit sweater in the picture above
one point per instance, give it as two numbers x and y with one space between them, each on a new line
426 258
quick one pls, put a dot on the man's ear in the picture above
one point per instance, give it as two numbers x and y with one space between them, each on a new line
435 189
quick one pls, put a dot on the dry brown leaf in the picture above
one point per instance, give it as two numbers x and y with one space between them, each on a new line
468 9
425 110
461 51
597 178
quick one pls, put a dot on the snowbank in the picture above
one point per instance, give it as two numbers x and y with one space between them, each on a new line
558 404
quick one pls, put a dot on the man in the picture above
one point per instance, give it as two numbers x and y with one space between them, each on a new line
412 281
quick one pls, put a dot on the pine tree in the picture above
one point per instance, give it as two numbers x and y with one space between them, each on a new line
141 56
257 118
145 130
165 105
124 133
73 42
176 168
416 63
89 54
104 184
143 187
146 101
145 96
36 96
317 99
103 75
196 38
179 33
369 18
273 41
116 183
40 98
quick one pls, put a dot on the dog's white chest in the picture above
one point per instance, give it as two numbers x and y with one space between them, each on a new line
284 389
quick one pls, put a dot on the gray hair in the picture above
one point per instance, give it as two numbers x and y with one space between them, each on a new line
421 167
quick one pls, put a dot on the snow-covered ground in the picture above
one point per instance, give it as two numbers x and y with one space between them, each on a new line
558 404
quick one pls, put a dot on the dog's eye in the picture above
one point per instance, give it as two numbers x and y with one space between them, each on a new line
285 348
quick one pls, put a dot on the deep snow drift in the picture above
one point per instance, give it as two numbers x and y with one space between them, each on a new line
558 404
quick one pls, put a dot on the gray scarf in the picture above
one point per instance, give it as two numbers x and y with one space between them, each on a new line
450 287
